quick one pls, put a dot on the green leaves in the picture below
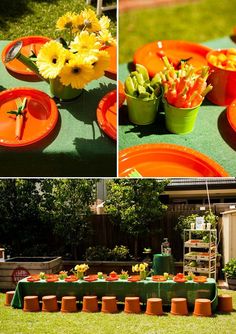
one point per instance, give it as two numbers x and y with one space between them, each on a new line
20 105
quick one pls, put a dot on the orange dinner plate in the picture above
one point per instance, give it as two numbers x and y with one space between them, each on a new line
91 278
158 278
107 115
134 278
150 55
167 160
32 279
17 68
110 279
40 117
112 69
231 115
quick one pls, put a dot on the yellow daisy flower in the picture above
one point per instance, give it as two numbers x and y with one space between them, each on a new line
90 20
101 63
84 42
51 59
65 21
77 23
68 56
104 22
106 38
142 267
76 73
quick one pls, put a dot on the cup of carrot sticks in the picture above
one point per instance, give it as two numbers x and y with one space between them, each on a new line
183 92
142 95
223 76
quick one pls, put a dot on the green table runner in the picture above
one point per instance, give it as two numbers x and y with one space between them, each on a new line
212 135
162 264
76 147
120 289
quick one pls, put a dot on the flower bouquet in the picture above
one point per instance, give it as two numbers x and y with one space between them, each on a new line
141 269
79 270
69 65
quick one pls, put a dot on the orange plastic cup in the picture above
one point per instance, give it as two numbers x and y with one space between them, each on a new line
8 297
223 82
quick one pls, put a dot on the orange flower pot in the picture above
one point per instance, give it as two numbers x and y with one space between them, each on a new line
90 304
49 304
202 307
109 304
68 304
31 304
8 297
132 305
179 306
225 303
154 306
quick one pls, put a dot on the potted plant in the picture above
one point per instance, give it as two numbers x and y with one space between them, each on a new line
230 273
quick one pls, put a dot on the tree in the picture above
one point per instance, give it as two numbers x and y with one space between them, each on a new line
70 210
134 204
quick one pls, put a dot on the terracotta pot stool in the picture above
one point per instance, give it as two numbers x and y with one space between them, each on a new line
68 304
202 307
49 304
90 304
132 305
109 304
154 306
8 297
179 306
225 303
31 304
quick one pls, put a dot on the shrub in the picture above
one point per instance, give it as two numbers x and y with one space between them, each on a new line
119 253
97 253
230 269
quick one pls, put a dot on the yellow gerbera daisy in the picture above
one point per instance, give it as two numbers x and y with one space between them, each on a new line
84 42
90 20
106 38
77 23
51 59
76 73
104 22
65 21
68 56
142 267
101 63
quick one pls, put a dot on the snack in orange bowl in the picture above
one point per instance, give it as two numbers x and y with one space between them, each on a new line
159 278
180 278
200 279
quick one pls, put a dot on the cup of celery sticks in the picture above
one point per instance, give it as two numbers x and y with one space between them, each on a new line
142 95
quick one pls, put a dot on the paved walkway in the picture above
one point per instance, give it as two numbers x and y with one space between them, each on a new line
125 5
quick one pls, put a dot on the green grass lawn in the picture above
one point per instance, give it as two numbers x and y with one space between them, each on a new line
198 22
17 322
38 17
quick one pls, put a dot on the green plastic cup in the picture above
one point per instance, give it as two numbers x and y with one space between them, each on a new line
142 112
180 120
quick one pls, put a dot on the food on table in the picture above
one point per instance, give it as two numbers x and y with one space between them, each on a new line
113 274
124 274
185 87
200 279
180 278
224 59
19 116
100 275
159 278
139 85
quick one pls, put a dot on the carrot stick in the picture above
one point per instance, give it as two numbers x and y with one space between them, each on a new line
19 126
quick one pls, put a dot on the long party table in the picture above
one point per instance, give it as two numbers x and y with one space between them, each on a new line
212 136
120 288
76 146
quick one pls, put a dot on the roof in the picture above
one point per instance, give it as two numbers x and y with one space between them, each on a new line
200 183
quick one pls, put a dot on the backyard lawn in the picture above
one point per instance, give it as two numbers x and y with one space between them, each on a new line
198 22
18 322
38 17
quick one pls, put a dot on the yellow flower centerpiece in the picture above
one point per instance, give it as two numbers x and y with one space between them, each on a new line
70 66
79 270
141 269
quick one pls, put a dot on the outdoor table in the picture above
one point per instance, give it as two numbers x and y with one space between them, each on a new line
212 135
162 264
75 147
120 288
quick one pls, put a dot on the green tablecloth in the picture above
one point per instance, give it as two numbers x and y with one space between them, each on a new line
162 264
76 147
212 135
120 289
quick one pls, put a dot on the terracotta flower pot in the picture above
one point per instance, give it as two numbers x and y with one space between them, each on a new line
225 303
132 305
49 304
179 306
154 306
8 297
31 304
202 307
90 304
109 304
68 304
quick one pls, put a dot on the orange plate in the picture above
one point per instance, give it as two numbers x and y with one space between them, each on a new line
107 115
40 118
179 280
50 280
15 66
91 278
200 279
71 279
134 278
112 69
110 279
231 115
158 278
32 279
167 160
150 55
